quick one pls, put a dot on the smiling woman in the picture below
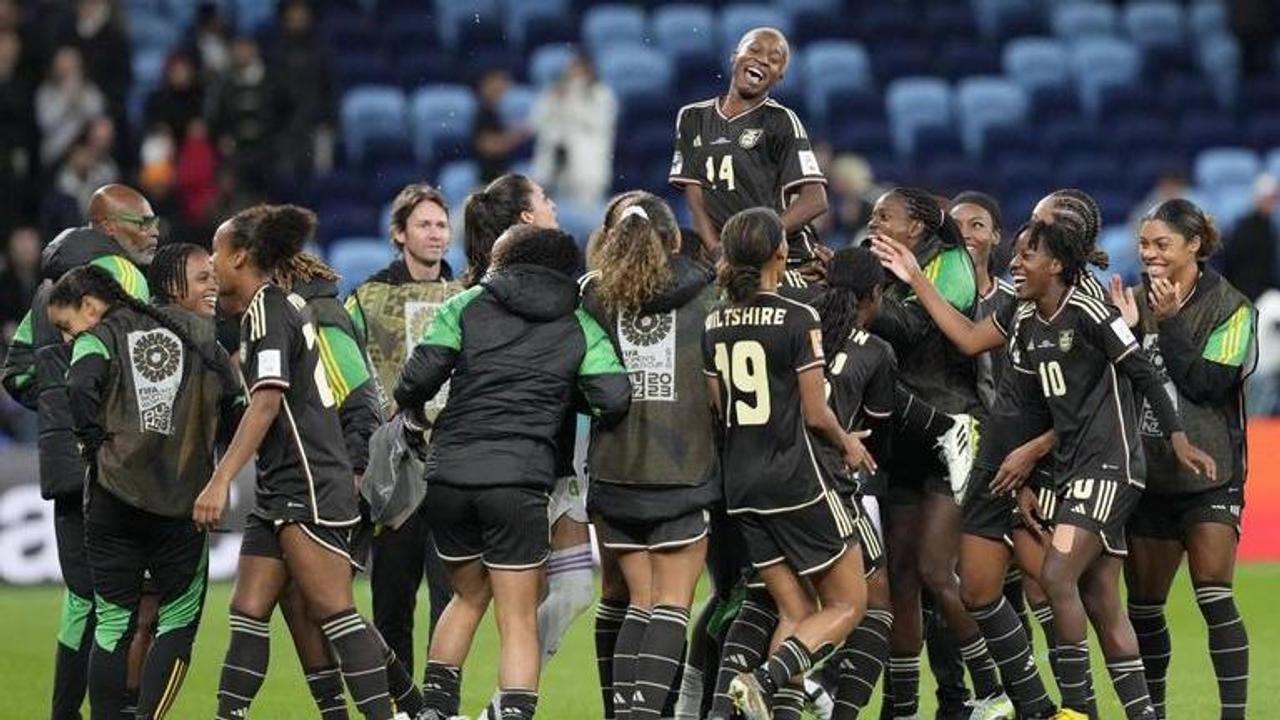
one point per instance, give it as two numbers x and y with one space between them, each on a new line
182 274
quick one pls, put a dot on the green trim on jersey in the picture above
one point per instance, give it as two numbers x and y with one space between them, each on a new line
113 623
599 358
343 362
23 333
127 274
75 615
1230 342
88 344
356 312
446 327
184 610
952 273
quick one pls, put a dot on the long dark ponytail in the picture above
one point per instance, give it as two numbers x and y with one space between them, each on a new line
750 238
72 288
853 276
486 215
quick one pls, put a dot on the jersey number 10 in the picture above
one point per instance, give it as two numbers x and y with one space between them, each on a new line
1052 381
744 370
726 171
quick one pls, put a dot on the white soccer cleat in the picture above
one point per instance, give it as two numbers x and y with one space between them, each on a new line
996 707
821 704
957 449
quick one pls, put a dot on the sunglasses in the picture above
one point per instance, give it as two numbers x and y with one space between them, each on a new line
144 222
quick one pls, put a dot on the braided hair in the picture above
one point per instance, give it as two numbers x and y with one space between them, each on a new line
167 274
924 207
1084 210
91 280
852 277
303 267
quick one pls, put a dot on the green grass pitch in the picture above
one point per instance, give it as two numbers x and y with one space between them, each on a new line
29 616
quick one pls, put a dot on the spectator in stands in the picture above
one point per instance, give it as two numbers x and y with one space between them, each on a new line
19 278
575 122
491 139
94 29
853 194
1248 259
1254 22
300 55
179 99
89 165
198 180
248 115
209 43
17 132
65 103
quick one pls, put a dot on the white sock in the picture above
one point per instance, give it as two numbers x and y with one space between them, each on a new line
570 592
689 704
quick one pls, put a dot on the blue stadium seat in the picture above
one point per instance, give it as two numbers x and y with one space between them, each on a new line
253 15
1102 61
1118 242
1271 163
1005 19
1120 100
405 28
356 258
580 220
795 6
343 219
1055 102
457 180
932 142
1219 57
982 102
519 15
1207 18
1154 22
830 66
685 29
606 27
1228 205
440 115
451 16
915 102
736 20
1074 21
548 63
516 104
1226 166
390 178
371 111
1036 62
633 69
699 75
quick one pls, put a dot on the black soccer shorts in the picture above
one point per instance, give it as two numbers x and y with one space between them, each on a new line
1101 506
809 539
261 538
654 535
504 526
1170 516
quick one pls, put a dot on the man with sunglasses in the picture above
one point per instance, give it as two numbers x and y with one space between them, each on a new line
121 237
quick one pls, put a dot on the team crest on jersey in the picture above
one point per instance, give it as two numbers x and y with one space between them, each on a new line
156 362
1065 339
750 138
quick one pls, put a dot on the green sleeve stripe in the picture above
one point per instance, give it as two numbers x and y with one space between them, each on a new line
951 272
600 358
127 274
184 611
343 362
446 327
88 344
1230 342
357 314
23 335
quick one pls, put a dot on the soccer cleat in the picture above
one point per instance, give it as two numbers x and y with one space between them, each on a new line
996 707
957 449
821 705
749 698
1069 714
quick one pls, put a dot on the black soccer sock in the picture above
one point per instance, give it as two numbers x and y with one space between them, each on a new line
1228 646
1155 645
109 660
1011 649
609 617
658 661
1131 687
788 703
677 681
1071 666
1012 592
789 662
904 683
129 708
165 670
364 669
442 690
982 668
71 663
405 695
860 662
918 416
1044 617
945 661
326 689
624 659
245 665
745 645
517 704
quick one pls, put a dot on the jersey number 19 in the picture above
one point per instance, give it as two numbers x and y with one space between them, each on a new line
743 369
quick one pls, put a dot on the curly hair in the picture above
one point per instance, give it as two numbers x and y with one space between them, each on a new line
272 233
303 267
633 255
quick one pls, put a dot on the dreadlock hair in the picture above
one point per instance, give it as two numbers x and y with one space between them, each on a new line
924 207
486 215
303 267
1066 243
72 288
853 276
1189 221
544 247
272 233
167 274
1082 204
610 217
634 254
750 238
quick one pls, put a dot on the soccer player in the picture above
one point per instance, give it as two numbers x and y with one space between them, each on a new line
511 200
305 504
513 347
745 150
1200 333
654 475
391 311
763 358
121 237
150 449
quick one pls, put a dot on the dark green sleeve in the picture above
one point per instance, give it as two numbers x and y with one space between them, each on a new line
20 366
90 362
601 377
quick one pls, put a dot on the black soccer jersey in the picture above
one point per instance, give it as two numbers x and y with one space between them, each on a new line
757 158
861 379
1074 356
756 351
991 365
303 470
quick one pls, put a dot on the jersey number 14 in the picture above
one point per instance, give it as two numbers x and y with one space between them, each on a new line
744 371
725 174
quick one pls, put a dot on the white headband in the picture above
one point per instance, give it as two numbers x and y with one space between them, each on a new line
633 210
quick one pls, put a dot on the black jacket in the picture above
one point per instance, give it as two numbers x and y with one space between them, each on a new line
513 348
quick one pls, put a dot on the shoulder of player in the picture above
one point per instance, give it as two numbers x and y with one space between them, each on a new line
1004 287
695 109
1091 308
804 310
783 118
